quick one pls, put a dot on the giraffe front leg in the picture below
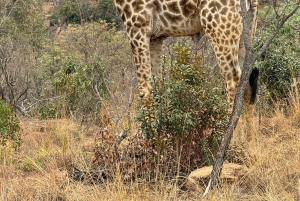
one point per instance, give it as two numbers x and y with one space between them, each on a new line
141 53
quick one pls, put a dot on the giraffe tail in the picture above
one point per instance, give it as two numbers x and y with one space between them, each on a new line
253 84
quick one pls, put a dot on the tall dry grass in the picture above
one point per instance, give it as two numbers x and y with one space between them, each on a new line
40 169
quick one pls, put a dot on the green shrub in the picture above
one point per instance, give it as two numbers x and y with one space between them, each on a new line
75 11
280 63
104 10
77 84
185 111
9 125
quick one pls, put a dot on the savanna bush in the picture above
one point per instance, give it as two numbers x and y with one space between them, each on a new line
186 113
280 63
79 86
9 125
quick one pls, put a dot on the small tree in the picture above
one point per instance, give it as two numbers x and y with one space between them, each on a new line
9 125
186 115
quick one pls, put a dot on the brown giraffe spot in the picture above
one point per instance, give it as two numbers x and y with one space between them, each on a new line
223 64
140 19
233 9
137 5
227 32
138 25
209 27
138 36
157 6
127 11
224 10
214 6
120 2
229 57
230 16
133 19
135 43
183 2
228 25
224 19
174 28
217 19
222 26
226 68
128 24
204 12
224 2
209 17
214 24
173 7
188 9
232 3
143 13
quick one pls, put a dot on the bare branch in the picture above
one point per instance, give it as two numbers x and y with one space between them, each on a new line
279 25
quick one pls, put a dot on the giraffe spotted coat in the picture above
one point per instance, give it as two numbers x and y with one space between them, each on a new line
149 22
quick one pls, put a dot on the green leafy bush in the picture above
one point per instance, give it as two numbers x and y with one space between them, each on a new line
280 63
79 86
9 125
185 111
277 71
104 10
73 12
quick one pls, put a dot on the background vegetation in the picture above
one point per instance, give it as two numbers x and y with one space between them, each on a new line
68 105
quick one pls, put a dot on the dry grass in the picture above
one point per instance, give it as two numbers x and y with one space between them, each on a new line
39 170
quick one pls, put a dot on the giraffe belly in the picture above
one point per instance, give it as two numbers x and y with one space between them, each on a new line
181 28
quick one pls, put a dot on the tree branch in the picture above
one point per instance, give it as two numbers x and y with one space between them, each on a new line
279 25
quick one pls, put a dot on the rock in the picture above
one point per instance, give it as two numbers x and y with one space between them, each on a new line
230 171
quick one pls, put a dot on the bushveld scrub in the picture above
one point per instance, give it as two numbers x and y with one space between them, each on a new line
40 169
9 126
85 145
186 115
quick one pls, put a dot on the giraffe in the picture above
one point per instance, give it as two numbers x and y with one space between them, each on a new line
149 22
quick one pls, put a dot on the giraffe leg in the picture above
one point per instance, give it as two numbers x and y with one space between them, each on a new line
230 69
140 45
155 52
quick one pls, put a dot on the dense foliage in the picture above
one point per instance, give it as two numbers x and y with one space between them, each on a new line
186 111
72 11
281 62
9 125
